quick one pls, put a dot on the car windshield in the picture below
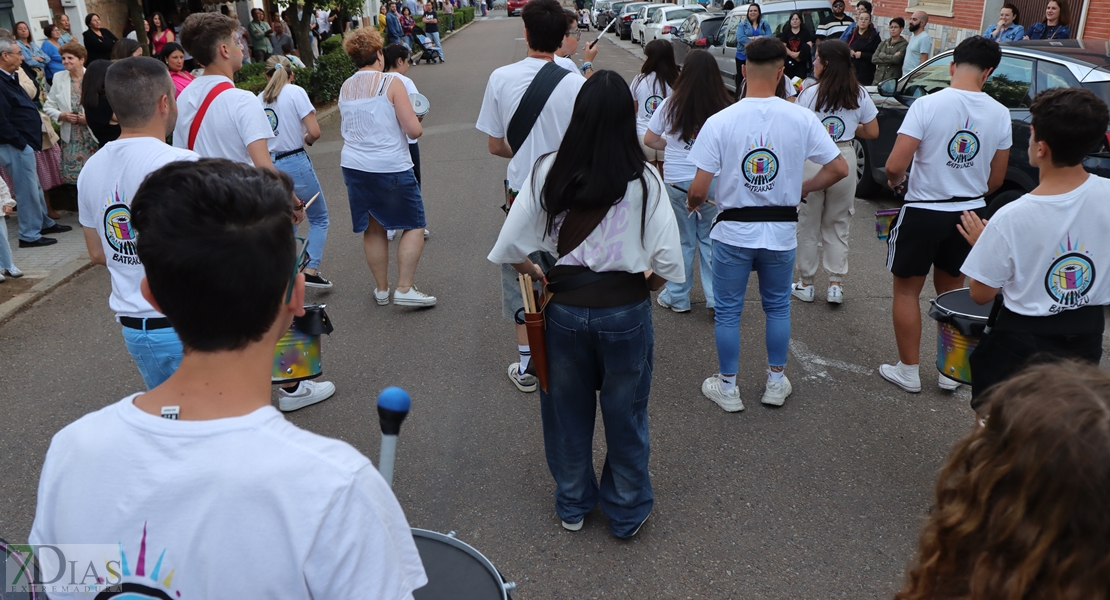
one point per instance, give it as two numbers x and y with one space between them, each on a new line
709 27
652 10
680 14
1102 88
631 8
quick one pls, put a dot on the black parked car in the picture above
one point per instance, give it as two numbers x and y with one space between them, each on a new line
1026 69
625 17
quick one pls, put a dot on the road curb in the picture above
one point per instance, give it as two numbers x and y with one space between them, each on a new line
57 277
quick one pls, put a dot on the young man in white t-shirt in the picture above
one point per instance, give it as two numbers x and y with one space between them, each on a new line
234 126
545 26
141 93
224 498
760 146
1047 252
959 140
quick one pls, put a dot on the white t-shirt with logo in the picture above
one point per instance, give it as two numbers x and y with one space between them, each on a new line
617 244
285 116
676 156
233 121
242 507
105 188
504 90
840 124
959 131
760 146
1048 254
649 93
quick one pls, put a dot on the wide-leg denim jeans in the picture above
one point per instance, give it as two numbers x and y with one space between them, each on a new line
693 234
610 350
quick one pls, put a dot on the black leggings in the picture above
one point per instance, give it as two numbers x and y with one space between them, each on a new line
414 152
739 75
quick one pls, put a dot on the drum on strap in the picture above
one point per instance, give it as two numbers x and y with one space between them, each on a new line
297 356
884 220
456 571
960 324
420 104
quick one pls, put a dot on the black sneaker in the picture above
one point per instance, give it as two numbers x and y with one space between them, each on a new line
316 281
42 241
56 228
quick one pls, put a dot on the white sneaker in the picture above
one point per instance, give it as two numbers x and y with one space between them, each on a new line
777 391
426 234
802 292
307 394
729 401
413 297
903 376
389 235
2 279
573 526
661 302
947 384
835 295
524 382
381 297
13 272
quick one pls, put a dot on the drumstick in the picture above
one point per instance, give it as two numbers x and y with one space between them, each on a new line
311 200
531 295
594 43
523 292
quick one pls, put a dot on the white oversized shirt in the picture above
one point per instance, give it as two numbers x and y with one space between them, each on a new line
617 244
840 124
285 116
1048 254
504 90
759 146
649 93
234 120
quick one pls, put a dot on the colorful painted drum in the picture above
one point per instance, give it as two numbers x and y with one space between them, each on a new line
297 356
960 325
884 220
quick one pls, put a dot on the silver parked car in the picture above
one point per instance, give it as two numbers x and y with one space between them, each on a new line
696 32
666 21
642 18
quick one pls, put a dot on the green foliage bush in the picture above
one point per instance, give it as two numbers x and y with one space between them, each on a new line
334 43
323 83
250 70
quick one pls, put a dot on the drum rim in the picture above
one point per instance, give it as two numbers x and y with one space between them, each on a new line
936 302
467 548
413 97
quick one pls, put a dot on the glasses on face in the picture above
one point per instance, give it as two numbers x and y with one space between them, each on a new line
576 34
298 264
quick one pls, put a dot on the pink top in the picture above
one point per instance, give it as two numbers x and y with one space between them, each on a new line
160 40
180 80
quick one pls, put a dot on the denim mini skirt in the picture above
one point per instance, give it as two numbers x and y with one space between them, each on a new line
393 199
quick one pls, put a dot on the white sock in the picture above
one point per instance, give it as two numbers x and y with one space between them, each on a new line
525 357
775 375
728 382
907 369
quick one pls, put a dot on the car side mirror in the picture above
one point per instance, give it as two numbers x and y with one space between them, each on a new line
888 88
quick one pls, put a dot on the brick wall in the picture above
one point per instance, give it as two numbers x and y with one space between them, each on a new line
113 15
945 31
1098 21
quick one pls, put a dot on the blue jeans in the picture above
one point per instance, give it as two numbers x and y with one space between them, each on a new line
611 350
731 268
305 186
435 38
5 247
693 233
157 353
20 164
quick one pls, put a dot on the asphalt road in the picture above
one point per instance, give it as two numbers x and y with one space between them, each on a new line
821 498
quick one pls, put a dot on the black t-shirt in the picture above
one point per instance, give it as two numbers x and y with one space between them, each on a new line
430 27
797 42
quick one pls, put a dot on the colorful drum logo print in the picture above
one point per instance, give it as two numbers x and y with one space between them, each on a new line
835 126
1070 278
884 220
652 103
296 357
760 167
963 147
118 231
272 117
954 352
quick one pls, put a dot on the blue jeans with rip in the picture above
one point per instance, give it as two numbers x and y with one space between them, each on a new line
693 233
731 268
610 350
305 186
21 165
157 353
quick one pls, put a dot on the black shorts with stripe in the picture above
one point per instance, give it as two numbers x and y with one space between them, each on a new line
921 239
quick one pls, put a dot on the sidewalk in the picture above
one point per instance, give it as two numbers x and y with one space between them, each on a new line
43 268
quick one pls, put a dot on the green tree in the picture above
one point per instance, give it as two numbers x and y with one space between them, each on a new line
302 14
135 11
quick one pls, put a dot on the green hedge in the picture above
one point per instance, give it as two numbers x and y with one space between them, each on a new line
321 83
334 43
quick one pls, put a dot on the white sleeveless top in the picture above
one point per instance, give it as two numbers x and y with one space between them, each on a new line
373 140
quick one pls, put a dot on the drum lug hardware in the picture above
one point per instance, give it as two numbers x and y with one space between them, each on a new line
509 586
450 534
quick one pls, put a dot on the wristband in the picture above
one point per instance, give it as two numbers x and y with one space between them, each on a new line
587 66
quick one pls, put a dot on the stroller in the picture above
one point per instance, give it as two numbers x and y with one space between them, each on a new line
584 19
428 52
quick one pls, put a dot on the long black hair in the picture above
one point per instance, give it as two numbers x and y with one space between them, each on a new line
660 61
600 153
838 88
92 84
395 55
699 94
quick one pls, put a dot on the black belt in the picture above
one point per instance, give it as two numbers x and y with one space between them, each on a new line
579 286
290 153
952 199
151 324
758 214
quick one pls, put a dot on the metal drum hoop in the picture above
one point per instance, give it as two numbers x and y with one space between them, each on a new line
450 540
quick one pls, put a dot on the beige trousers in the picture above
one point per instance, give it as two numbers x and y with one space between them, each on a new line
824 219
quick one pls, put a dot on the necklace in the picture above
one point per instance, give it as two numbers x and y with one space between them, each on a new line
541 57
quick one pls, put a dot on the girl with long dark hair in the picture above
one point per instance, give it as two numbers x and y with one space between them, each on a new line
594 194
160 33
656 79
847 112
1055 23
698 95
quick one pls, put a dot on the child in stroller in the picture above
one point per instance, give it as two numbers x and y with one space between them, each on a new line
429 52
584 19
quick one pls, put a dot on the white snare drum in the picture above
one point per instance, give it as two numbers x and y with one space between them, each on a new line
420 104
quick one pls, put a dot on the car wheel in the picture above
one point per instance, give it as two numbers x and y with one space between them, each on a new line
866 186
1002 199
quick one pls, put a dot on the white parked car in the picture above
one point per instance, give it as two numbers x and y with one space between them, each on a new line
665 22
642 18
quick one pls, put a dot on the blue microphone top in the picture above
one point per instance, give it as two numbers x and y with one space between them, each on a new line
395 399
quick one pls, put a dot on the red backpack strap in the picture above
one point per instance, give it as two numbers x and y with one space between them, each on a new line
195 127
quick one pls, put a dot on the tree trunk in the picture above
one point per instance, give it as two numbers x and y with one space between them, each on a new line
135 11
301 24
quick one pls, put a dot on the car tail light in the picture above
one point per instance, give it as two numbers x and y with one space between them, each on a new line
626 18
668 29
701 42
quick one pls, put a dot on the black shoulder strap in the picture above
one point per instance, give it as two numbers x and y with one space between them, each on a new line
535 97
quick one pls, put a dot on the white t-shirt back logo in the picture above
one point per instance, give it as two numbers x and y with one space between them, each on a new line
1070 276
963 147
272 117
652 103
835 126
118 231
760 167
